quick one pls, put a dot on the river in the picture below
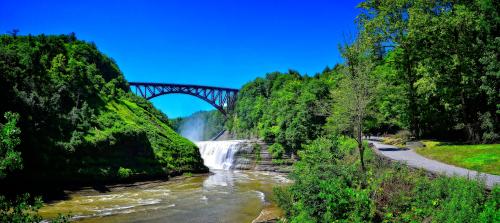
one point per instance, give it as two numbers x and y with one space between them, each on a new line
224 195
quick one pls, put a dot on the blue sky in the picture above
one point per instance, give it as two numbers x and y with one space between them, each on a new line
219 42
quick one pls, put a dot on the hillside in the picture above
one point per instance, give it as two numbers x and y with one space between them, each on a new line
79 121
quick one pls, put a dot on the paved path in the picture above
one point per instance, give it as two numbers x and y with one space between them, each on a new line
411 158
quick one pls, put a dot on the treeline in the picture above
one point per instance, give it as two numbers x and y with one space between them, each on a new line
78 120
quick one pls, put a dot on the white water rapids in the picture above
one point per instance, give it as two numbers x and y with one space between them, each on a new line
219 155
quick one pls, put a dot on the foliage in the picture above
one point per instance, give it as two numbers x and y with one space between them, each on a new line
444 55
24 209
276 150
20 210
480 157
355 93
281 108
328 188
10 158
257 150
124 172
399 139
79 120
325 188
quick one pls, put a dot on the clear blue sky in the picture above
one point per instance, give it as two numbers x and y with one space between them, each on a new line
219 42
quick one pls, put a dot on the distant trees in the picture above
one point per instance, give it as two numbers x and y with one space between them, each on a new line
13 32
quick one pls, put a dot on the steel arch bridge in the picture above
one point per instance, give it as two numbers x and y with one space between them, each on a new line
223 99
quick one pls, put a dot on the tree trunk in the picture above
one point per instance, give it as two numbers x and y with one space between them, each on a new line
412 103
360 146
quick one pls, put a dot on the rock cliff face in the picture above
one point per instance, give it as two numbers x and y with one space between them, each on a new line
255 156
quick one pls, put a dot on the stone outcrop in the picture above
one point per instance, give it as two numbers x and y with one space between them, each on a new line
254 155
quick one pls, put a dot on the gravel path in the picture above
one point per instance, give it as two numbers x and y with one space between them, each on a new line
411 158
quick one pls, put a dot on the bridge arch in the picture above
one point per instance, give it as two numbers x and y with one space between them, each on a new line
223 99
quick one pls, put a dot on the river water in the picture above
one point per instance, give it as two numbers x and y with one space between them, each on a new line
225 195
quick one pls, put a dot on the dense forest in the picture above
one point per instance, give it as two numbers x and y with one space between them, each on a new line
77 120
417 69
436 76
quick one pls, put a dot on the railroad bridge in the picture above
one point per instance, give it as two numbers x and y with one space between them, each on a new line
223 99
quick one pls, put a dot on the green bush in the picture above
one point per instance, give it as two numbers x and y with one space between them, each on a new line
23 209
399 139
124 172
324 190
256 150
277 151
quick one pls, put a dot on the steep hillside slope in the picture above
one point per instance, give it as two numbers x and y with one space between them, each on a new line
79 120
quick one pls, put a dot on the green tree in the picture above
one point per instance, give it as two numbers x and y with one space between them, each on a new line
10 158
355 93
385 22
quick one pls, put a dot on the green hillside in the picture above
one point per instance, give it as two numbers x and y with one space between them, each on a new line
79 121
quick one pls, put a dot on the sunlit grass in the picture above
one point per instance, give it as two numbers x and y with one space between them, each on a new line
482 157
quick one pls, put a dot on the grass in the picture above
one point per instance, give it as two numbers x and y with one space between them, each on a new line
481 157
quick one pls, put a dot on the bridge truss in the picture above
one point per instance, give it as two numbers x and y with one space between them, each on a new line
223 99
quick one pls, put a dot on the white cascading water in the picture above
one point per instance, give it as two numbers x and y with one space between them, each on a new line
219 155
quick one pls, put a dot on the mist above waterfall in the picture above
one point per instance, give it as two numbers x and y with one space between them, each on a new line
193 128
199 126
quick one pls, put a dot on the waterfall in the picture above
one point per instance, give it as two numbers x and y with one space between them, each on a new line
219 154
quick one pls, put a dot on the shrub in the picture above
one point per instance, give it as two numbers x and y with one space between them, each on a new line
276 150
124 172
20 210
399 139
325 189
256 149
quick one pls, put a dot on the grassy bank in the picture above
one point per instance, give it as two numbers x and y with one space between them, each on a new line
480 157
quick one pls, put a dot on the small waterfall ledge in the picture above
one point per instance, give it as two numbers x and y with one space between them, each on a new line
239 155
